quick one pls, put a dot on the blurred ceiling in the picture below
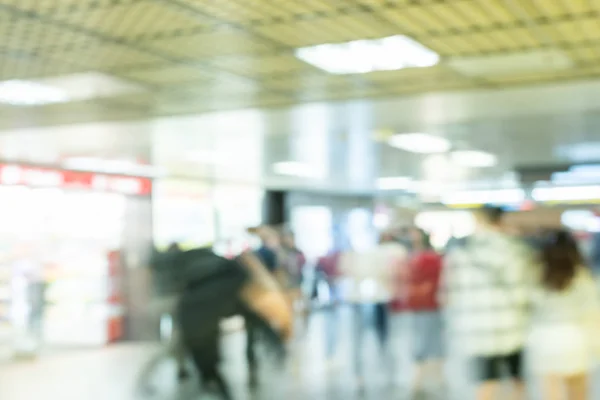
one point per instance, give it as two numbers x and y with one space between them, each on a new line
194 56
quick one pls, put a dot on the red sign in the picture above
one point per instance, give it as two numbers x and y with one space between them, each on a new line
13 174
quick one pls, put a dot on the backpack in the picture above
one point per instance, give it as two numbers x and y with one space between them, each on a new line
211 288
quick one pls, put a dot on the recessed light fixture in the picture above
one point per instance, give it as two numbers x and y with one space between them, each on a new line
566 193
296 169
364 56
422 143
473 158
26 93
207 157
125 167
501 196
394 183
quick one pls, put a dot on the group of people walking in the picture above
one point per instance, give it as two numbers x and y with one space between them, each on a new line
491 297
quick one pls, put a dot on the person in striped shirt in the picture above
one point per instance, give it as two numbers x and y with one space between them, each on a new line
487 287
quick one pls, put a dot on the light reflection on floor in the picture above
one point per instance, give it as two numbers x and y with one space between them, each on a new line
113 373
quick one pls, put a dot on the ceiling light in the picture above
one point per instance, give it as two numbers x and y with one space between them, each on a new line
421 143
580 152
296 169
207 157
503 196
394 183
363 56
26 93
566 193
474 158
113 167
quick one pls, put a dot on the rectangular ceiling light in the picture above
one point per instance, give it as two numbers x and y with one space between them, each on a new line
27 93
501 196
124 167
421 143
364 56
473 158
566 193
394 183
296 169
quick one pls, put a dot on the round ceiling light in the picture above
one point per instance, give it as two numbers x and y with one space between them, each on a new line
473 158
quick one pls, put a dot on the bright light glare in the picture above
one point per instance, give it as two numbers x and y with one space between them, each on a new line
394 183
566 193
363 56
578 175
296 169
207 157
381 220
113 167
25 93
421 143
579 220
473 158
502 196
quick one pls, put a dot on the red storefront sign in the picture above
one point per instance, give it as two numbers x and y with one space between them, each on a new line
13 174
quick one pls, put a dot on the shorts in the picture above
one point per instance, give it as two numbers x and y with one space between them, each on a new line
494 368
428 335
560 349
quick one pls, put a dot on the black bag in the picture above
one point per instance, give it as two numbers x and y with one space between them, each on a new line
212 285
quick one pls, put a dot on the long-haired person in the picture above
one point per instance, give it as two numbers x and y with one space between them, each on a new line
564 310
423 281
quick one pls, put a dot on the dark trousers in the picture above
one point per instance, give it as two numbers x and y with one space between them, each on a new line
381 324
206 355
251 340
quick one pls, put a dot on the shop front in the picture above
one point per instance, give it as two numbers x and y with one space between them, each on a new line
183 213
67 242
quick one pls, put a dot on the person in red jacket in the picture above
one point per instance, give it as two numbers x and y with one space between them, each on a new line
423 281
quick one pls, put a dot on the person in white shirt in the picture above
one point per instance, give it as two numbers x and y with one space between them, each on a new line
370 279
487 285
565 320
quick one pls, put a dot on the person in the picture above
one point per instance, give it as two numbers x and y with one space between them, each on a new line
487 287
564 305
423 280
595 254
327 271
268 254
269 245
218 288
370 279
293 261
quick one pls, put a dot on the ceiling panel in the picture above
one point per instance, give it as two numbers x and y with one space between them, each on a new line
166 74
410 75
244 49
45 7
307 82
140 19
260 12
216 43
339 28
101 55
263 67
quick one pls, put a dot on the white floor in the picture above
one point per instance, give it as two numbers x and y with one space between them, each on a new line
75 375
113 373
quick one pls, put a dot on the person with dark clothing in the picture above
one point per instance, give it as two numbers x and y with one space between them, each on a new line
215 288
267 254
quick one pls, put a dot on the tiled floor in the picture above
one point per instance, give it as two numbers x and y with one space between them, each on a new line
113 373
